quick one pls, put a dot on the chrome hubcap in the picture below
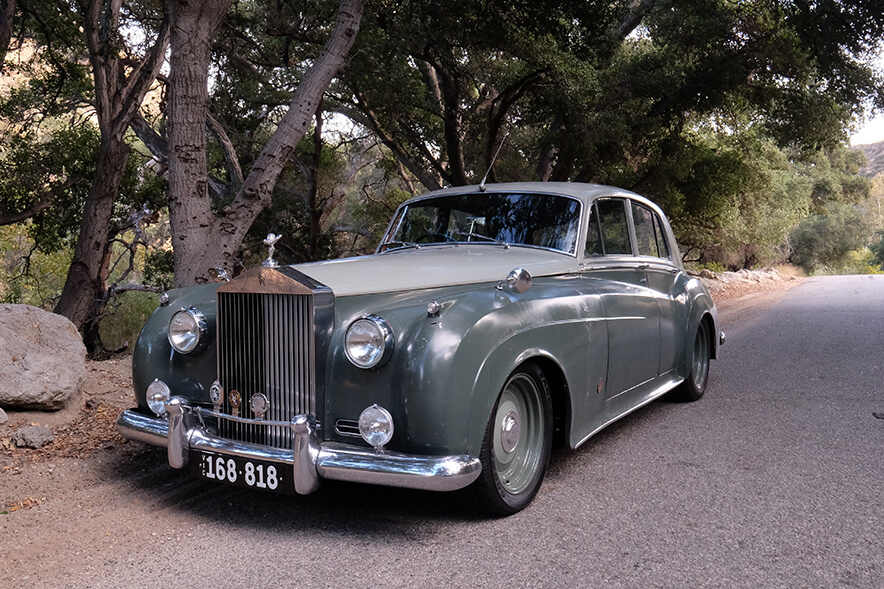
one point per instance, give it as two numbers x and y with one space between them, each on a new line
518 434
510 430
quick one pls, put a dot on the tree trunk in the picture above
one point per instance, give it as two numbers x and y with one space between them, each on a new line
202 240
7 12
315 212
87 278
193 27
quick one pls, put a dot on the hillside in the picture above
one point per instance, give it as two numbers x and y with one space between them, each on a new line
875 155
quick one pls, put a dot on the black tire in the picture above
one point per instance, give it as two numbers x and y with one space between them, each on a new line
516 448
694 386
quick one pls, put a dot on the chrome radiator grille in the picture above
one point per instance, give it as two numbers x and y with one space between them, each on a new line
266 345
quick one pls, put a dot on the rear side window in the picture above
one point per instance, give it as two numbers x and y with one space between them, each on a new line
649 237
614 226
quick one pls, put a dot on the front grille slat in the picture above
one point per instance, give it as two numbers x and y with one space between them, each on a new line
265 345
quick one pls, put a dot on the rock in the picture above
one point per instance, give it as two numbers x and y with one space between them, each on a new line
3 417
706 273
43 358
32 436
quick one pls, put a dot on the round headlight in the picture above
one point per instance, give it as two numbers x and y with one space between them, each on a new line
369 342
376 426
186 328
158 394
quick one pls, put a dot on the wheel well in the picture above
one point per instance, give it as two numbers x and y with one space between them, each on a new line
709 326
558 387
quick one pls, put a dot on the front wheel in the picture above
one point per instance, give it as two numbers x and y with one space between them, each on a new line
516 448
694 386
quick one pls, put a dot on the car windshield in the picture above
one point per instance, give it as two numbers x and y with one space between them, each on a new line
540 220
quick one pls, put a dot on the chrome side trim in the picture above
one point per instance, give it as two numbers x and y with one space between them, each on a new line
310 459
655 394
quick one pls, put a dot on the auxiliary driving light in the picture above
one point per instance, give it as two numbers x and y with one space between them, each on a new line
158 395
376 426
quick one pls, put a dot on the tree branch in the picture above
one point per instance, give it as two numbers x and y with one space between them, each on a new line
45 201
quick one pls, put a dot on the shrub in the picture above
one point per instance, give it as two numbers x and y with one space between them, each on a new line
124 318
826 240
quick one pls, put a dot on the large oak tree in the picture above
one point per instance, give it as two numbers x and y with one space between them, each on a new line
203 237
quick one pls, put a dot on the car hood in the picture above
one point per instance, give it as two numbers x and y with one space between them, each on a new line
432 267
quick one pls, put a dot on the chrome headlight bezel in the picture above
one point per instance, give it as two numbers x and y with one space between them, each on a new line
186 330
376 426
157 396
368 342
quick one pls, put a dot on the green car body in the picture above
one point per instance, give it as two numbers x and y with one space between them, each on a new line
567 341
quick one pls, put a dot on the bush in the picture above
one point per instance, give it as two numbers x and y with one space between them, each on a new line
826 240
877 249
124 318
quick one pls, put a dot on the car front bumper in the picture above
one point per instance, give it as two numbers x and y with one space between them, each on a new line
310 460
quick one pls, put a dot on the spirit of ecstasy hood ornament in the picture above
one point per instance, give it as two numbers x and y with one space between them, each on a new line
270 241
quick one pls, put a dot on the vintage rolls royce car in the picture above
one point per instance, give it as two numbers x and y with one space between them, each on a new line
491 321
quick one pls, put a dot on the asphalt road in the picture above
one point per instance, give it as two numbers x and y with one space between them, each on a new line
774 479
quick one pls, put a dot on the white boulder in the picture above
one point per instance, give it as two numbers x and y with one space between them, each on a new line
42 358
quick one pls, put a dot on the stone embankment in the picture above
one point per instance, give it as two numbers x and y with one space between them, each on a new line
731 285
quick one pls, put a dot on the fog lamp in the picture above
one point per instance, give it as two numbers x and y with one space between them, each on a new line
158 394
376 426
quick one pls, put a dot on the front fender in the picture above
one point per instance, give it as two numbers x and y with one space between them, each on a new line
458 363
188 375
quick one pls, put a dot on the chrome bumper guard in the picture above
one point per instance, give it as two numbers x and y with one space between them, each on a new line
309 460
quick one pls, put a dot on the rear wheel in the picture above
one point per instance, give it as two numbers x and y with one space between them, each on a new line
516 448
694 386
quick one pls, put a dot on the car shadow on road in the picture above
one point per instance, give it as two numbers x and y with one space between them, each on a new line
340 507
349 507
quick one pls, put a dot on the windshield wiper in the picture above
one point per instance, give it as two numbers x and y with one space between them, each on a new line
399 245
472 235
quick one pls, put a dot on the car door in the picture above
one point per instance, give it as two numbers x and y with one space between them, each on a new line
629 305
655 255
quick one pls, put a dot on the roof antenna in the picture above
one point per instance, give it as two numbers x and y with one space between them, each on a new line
482 183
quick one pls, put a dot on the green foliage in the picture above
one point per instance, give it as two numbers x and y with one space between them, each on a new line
123 319
729 114
28 275
876 249
55 166
824 242
159 268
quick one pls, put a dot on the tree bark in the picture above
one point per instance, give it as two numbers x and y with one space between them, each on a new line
202 240
87 278
193 27
315 212
7 12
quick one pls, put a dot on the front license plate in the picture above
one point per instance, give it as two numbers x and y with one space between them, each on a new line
242 472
